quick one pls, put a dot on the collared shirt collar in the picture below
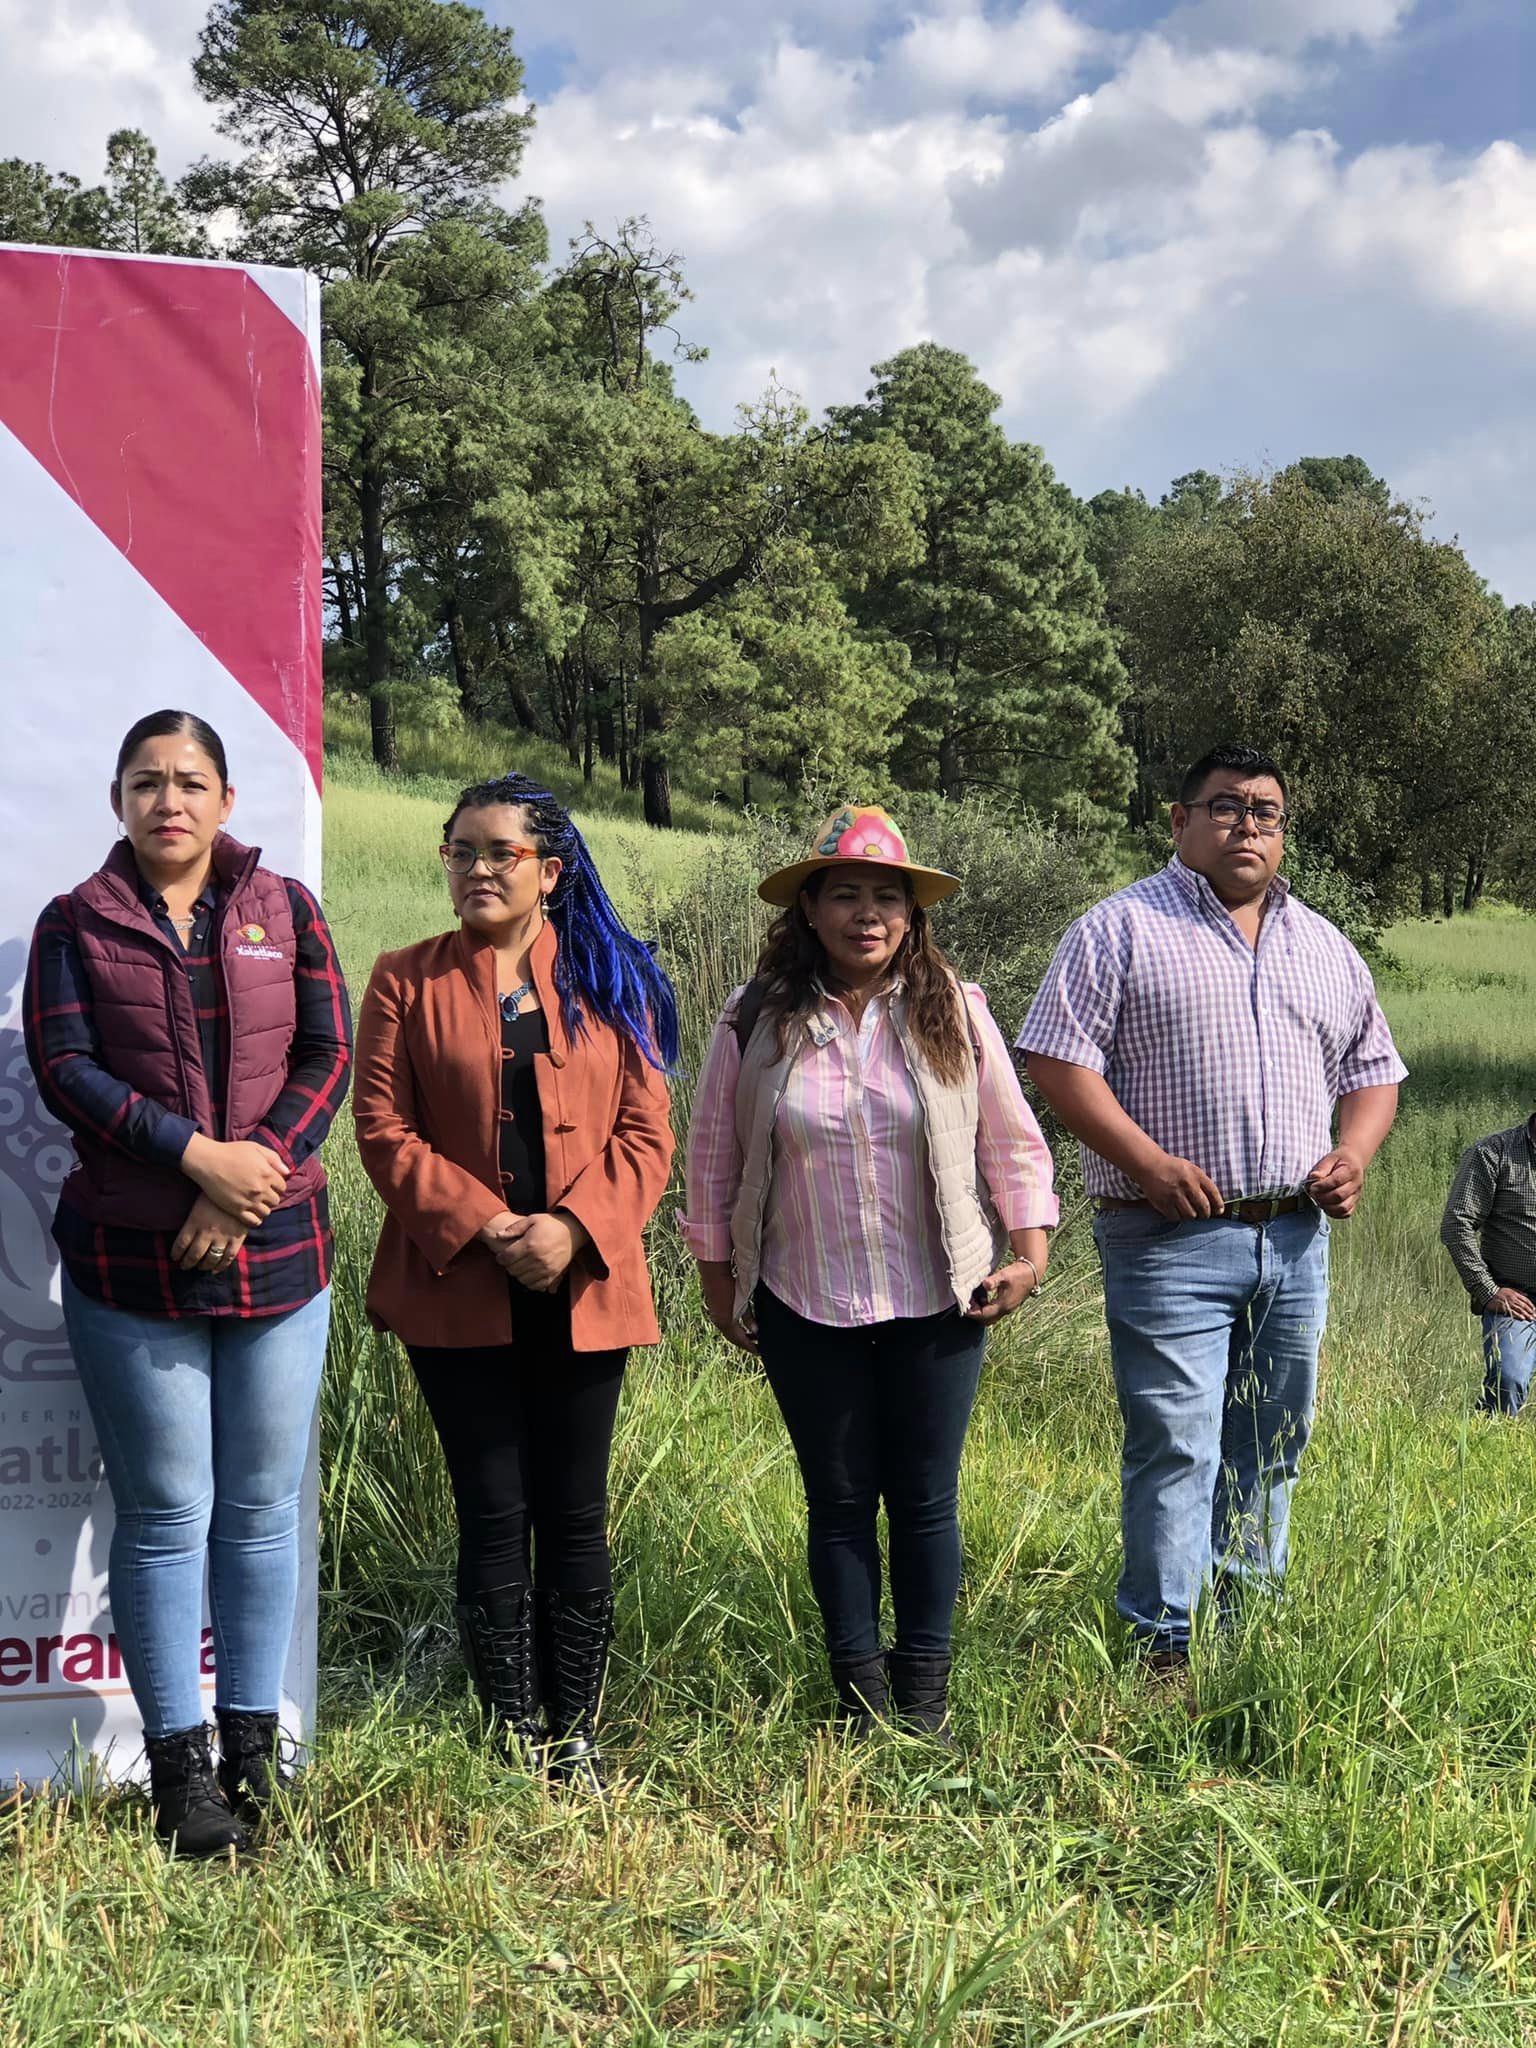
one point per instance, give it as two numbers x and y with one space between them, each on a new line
156 904
893 987
832 1018
1198 890
833 1006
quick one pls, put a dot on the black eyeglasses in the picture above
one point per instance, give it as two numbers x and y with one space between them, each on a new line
460 859
1228 811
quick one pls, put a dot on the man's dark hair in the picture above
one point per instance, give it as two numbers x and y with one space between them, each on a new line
1245 761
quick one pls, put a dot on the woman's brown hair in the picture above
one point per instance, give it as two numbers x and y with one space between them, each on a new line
793 961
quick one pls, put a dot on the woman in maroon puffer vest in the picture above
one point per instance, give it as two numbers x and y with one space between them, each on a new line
186 1019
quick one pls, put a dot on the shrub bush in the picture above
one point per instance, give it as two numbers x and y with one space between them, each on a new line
1325 888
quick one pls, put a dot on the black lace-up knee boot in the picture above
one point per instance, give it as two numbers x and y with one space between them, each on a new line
497 1636
574 1633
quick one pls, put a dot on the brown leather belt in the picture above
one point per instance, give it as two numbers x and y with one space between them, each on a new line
1260 1210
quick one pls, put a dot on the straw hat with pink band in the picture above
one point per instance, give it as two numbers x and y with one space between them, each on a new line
866 834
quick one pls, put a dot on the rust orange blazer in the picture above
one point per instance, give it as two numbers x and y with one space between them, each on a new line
427 1098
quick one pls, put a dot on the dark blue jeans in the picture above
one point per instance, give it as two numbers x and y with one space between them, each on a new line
877 1413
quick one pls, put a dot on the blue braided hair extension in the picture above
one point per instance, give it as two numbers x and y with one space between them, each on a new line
602 970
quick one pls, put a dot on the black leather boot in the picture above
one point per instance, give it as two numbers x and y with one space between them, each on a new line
574 1633
249 1769
920 1695
191 1811
862 1693
496 1635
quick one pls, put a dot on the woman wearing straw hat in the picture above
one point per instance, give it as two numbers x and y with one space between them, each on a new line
867 1194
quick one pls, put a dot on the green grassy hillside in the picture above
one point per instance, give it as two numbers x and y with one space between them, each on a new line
1336 1844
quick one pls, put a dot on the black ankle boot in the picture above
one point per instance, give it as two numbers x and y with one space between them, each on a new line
862 1694
496 1635
920 1695
191 1811
574 1632
249 1769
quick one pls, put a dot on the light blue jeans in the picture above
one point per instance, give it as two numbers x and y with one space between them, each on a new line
1214 1328
1509 1352
204 1424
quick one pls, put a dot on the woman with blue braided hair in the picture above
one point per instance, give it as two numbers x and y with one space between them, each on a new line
512 1111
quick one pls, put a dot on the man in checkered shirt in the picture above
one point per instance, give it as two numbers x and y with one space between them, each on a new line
1197 1032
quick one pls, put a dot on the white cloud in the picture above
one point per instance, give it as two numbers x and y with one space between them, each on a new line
1110 159
1194 88
1458 236
1157 274
728 38
95 50
1144 241
804 246
997 58
76 69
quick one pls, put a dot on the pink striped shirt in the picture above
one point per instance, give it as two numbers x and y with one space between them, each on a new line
852 1230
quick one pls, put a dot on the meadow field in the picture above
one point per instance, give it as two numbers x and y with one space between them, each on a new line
1332 1841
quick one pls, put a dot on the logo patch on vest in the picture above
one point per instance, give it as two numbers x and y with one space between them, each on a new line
255 947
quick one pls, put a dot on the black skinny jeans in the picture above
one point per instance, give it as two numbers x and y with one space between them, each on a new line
526 1430
878 1413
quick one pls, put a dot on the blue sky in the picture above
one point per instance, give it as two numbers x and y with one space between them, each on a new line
1461 73
1171 233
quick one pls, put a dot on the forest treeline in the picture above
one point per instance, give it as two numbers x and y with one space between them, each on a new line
526 521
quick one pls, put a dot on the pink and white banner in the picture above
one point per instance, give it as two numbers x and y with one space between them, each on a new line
160 545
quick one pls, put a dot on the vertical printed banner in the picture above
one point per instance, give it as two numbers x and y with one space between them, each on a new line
160 546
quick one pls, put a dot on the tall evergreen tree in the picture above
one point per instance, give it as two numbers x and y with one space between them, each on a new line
378 132
1013 661
138 211
701 529
133 209
1337 476
1117 525
47 207
1196 497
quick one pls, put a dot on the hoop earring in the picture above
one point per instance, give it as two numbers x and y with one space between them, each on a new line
122 829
